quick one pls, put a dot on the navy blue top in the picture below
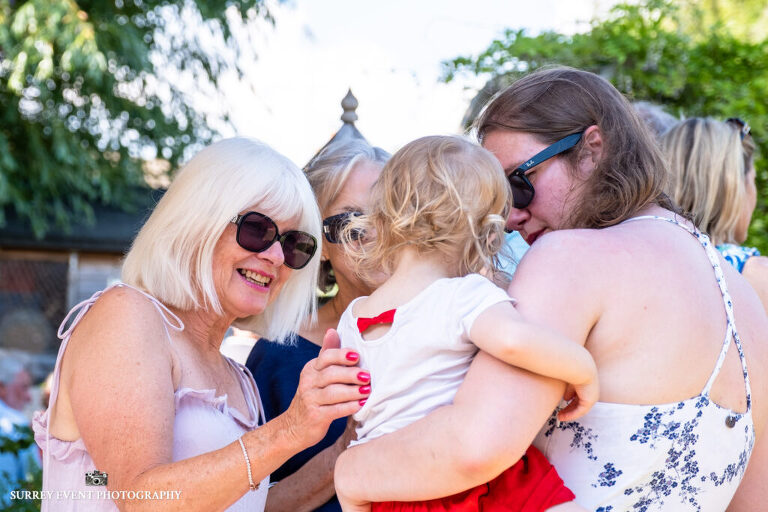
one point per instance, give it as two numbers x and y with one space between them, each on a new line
276 369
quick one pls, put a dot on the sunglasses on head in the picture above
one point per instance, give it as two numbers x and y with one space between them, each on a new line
522 188
333 226
741 125
256 232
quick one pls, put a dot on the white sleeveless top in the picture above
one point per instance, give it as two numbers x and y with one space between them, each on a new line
684 456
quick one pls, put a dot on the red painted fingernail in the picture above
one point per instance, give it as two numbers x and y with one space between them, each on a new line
362 402
363 376
353 356
364 390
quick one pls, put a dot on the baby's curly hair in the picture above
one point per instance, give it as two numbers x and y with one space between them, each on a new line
439 194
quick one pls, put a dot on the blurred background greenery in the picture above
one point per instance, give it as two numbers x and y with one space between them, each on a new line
91 103
693 58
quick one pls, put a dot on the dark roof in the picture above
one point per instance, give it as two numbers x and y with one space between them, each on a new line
112 231
348 129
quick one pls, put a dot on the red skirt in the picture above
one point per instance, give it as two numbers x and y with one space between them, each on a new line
531 485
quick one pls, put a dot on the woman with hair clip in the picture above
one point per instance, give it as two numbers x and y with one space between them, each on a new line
142 401
341 176
712 171
680 339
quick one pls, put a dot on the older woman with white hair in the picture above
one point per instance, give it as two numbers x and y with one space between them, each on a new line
142 400
16 465
14 382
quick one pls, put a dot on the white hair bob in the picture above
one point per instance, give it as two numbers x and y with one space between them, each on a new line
172 256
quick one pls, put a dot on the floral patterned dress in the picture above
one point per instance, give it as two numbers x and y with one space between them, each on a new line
737 255
683 456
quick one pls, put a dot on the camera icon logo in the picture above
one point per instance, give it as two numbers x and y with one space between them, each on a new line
96 477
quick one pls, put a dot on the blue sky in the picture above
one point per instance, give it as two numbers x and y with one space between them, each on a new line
388 52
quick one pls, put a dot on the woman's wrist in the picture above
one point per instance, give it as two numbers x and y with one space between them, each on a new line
278 440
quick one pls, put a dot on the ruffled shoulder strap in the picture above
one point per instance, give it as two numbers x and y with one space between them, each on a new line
252 396
170 319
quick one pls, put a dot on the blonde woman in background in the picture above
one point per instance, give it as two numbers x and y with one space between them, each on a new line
713 178
341 177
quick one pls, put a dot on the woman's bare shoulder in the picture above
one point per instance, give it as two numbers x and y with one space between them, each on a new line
577 253
759 263
123 319
756 272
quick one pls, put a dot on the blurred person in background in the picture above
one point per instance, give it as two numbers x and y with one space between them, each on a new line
655 117
341 176
15 466
712 169
238 344
14 383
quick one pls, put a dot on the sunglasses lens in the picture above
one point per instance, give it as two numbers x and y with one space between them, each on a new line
336 224
256 233
522 191
298 248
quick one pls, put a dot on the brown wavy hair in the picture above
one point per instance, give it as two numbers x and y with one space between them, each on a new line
438 194
556 102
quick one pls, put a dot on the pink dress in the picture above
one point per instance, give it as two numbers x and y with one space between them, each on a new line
204 422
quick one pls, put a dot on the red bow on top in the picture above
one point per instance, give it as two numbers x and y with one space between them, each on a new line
386 317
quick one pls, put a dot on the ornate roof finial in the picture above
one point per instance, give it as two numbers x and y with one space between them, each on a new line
349 104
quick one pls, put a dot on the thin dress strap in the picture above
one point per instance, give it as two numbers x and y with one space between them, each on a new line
731 330
79 311
245 376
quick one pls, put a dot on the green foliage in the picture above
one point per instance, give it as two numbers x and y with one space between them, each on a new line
89 94
656 51
22 438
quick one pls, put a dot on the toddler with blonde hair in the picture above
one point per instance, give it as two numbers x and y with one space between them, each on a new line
436 226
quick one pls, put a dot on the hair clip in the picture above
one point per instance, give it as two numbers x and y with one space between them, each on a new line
493 218
743 125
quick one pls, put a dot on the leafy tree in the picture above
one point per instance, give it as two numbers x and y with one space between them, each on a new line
21 439
655 51
90 93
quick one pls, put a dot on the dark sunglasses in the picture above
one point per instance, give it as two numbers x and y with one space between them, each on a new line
741 125
256 232
522 188
333 226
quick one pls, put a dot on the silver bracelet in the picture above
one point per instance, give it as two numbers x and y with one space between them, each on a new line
252 486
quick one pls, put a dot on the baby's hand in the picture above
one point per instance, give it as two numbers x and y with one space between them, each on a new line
581 397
